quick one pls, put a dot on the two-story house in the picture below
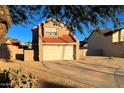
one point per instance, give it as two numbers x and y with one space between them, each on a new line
53 41
106 43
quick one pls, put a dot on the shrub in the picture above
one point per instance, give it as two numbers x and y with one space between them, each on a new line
18 79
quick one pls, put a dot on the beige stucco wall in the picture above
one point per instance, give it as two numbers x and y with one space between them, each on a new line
20 51
8 52
91 52
77 50
83 52
105 44
28 55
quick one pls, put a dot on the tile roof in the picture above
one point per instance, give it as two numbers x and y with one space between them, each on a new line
63 39
11 41
112 31
104 31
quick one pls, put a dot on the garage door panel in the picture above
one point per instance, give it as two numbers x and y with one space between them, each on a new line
52 52
57 52
68 53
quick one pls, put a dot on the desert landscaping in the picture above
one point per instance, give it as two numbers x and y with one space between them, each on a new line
88 72
45 77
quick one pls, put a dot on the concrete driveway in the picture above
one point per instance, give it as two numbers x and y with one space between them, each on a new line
91 74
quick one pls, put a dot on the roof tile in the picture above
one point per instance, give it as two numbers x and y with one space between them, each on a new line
63 39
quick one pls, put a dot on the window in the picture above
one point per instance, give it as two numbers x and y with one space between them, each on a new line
115 37
122 35
50 32
118 36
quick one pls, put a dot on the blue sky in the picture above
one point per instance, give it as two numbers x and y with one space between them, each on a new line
21 33
24 33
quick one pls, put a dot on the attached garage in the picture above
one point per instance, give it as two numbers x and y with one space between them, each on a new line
52 40
59 52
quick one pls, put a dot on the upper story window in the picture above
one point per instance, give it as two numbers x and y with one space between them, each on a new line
118 36
50 32
122 35
115 37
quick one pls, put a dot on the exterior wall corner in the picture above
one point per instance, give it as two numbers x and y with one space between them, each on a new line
77 51
40 44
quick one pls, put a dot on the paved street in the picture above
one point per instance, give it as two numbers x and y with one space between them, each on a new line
95 75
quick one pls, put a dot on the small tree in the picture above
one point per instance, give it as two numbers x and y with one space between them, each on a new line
28 43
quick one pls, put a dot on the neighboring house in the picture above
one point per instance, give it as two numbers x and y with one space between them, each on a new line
53 41
106 43
9 48
9 41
